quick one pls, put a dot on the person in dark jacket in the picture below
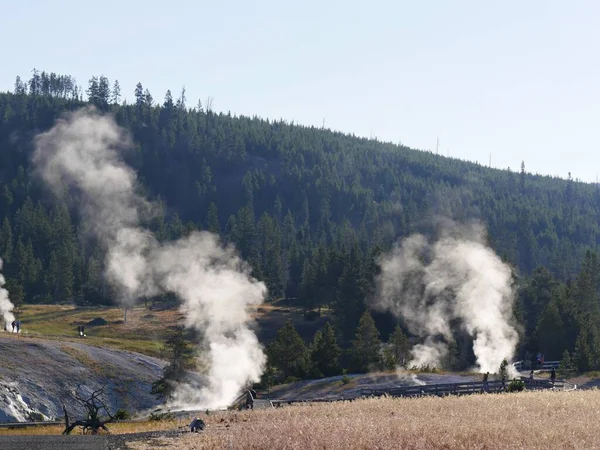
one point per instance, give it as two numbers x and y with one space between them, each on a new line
250 396
197 425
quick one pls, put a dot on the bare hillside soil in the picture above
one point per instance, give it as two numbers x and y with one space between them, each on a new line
48 359
36 375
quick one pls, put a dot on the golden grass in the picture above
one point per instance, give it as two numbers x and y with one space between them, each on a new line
532 420
145 330
115 428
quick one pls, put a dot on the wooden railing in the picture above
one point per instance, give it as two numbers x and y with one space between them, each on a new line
547 366
465 388
445 389
240 401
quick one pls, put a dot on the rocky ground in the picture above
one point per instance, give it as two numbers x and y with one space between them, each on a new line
37 375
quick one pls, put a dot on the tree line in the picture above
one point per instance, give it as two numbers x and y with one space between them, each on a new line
310 209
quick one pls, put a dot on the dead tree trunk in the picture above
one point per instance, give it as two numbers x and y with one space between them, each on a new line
93 406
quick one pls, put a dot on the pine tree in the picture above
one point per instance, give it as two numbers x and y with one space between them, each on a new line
307 283
397 351
349 304
139 96
366 345
325 353
212 219
181 361
103 98
566 363
116 93
550 332
288 353
6 241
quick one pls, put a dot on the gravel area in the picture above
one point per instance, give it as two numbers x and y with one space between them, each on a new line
63 442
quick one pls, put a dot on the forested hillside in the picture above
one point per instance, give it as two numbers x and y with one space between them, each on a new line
307 207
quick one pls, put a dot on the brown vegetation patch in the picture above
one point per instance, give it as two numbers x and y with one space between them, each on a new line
539 420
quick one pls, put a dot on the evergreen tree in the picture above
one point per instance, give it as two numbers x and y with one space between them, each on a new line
366 345
181 361
397 350
325 353
352 289
288 353
550 333
116 93
212 219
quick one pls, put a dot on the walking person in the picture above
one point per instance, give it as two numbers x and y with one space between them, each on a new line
553 376
250 396
486 386
14 324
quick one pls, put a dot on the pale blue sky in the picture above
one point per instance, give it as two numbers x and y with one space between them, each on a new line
517 79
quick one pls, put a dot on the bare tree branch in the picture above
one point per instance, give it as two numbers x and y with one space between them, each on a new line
93 405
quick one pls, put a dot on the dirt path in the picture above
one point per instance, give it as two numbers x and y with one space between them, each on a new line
62 442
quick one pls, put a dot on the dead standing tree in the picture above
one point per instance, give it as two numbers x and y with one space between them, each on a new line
93 406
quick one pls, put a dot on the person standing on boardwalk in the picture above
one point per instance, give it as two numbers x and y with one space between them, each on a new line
250 396
553 376
486 386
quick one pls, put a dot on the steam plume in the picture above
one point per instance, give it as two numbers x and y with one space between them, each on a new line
6 306
457 279
82 153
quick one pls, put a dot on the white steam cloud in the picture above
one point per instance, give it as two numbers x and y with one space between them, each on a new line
456 281
6 306
82 152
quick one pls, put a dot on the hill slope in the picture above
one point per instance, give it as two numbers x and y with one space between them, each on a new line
277 190
37 375
310 210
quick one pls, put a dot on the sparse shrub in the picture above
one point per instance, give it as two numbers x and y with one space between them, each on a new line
35 417
567 365
503 371
291 379
158 416
516 386
424 368
122 414
345 378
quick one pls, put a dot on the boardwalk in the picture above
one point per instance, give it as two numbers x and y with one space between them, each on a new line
464 388
445 389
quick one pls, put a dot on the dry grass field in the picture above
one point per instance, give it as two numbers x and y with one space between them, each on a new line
530 420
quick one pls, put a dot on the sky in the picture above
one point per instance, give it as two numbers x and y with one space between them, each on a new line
517 81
